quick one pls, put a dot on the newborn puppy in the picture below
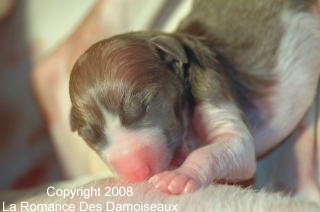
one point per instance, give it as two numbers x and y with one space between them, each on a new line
137 97
177 107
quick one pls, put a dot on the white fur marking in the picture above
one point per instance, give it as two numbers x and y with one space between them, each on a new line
298 70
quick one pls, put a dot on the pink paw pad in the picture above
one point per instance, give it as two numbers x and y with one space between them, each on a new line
174 183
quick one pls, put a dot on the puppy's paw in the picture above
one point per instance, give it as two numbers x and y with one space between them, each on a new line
174 182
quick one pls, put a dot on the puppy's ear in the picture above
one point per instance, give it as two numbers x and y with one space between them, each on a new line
74 122
170 48
207 76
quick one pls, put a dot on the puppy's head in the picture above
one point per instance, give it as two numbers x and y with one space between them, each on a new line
127 101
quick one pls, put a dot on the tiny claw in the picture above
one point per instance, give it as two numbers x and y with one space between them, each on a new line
190 187
154 179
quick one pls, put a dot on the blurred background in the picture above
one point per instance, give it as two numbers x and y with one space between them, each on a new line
39 42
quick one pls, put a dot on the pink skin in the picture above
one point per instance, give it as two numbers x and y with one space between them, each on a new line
136 164
149 156
133 165
143 161
222 144
146 156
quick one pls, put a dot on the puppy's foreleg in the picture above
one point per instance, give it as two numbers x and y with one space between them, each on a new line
226 151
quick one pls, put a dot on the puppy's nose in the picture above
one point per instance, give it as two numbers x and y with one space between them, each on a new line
133 166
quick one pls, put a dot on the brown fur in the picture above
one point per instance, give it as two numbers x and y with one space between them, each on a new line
247 46
121 76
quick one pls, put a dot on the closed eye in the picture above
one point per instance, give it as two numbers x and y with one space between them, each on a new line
136 107
132 112
93 135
